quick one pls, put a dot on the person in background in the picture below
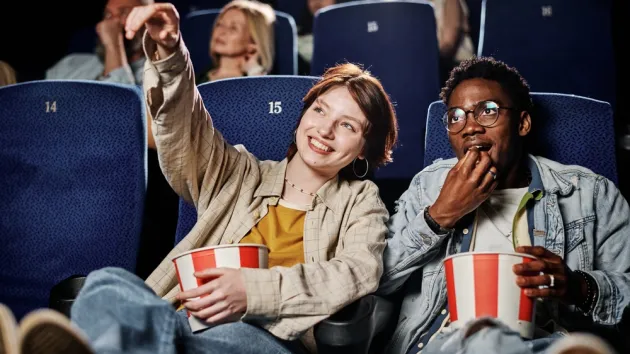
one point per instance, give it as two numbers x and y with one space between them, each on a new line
7 74
305 34
453 32
242 41
116 59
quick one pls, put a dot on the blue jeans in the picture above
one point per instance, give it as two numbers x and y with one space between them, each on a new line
497 338
118 313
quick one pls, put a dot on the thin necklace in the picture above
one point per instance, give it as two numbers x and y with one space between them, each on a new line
497 218
299 189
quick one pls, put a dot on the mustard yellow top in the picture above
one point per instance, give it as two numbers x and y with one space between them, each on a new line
282 230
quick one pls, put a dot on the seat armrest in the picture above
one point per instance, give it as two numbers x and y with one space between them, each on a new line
352 329
63 294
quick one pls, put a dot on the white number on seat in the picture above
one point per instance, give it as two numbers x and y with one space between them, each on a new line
372 26
51 106
275 107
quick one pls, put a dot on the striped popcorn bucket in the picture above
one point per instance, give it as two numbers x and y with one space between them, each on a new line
482 284
224 256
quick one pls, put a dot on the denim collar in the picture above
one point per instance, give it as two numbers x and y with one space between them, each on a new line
544 180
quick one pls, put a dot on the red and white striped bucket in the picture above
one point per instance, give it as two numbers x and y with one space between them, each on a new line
482 284
223 256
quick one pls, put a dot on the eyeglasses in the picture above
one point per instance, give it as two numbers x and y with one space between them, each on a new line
486 113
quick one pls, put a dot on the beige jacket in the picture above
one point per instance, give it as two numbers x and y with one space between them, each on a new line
344 231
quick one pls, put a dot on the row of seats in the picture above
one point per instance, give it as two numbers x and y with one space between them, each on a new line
73 157
339 39
556 45
559 46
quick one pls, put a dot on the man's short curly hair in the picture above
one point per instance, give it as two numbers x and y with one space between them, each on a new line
490 69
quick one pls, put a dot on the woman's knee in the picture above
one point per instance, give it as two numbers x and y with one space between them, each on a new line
119 294
240 337
234 330
111 276
106 286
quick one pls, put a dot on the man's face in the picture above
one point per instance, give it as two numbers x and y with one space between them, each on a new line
119 9
501 125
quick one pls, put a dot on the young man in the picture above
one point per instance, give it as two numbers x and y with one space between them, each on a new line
492 196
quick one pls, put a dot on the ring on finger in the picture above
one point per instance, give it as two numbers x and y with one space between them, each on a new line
552 281
494 175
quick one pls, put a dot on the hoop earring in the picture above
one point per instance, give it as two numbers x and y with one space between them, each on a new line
367 168
295 137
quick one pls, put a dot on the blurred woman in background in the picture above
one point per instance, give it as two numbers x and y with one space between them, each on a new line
242 42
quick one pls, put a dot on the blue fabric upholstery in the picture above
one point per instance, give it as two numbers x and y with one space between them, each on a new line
240 110
396 41
73 177
557 45
566 128
197 29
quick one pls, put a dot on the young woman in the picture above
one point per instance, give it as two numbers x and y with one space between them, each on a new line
324 226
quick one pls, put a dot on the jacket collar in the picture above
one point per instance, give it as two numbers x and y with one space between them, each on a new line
272 180
547 180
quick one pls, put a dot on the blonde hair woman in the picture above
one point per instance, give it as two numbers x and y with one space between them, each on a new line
7 74
242 41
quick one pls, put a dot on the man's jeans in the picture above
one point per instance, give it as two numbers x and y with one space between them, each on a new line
493 338
118 313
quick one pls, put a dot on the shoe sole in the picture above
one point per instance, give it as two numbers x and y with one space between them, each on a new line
9 343
48 332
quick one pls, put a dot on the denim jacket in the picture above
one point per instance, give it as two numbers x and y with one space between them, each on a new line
578 215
